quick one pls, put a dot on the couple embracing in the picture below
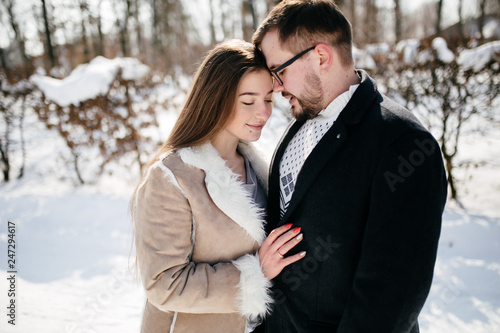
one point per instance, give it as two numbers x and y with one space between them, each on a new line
338 233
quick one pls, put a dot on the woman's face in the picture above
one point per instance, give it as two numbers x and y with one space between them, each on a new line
253 106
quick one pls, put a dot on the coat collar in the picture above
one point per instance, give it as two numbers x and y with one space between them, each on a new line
225 190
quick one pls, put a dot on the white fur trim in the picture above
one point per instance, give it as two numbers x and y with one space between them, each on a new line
254 288
225 190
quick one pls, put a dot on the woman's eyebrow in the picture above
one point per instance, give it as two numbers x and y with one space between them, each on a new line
251 93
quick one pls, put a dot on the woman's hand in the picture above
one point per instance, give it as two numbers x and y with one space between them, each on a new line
277 244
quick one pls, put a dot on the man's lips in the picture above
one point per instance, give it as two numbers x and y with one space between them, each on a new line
290 97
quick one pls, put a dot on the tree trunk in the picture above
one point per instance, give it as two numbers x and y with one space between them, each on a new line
86 51
23 145
449 171
438 23
397 22
17 34
481 19
5 161
48 39
75 166
370 23
138 29
247 10
213 38
461 23
123 26
100 49
4 144
3 62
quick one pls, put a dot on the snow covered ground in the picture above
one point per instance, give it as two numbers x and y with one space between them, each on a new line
74 252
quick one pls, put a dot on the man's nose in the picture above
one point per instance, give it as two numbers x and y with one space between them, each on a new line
277 87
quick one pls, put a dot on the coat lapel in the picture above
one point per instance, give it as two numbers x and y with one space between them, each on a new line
225 190
315 162
326 148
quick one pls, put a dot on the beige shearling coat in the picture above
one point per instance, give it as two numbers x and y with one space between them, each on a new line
197 232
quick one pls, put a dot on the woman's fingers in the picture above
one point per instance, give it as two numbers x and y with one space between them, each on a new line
291 259
276 246
275 233
284 238
283 249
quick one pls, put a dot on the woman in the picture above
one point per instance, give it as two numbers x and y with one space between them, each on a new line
198 212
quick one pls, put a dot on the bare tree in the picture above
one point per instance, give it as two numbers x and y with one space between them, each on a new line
447 97
173 31
5 139
12 110
354 20
122 25
49 49
155 25
84 10
397 20
370 22
138 27
213 37
481 19
104 128
439 16
460 22
249 19
18 35
95 21
3 62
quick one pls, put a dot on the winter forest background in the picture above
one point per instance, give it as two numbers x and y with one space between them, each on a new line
90 88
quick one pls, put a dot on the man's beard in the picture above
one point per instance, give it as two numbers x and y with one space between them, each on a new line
312 104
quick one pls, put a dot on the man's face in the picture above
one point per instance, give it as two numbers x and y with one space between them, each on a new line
301 86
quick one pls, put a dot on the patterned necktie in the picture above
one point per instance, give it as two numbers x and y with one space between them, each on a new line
296 154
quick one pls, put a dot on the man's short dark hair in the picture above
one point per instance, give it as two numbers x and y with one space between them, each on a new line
305 23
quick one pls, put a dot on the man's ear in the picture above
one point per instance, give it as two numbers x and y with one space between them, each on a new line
325 55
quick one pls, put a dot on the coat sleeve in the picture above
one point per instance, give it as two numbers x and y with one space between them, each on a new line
400 241
163 236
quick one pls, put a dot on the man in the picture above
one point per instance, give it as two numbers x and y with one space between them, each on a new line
358 173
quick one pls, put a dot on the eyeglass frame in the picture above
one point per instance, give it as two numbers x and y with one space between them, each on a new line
274 72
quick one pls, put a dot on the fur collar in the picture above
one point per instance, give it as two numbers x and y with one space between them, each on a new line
224 188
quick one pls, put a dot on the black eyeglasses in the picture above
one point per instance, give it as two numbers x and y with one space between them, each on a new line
274 72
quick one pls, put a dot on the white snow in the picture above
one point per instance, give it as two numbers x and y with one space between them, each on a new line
443 52
74 244
88 81
478 57
409 49
363 59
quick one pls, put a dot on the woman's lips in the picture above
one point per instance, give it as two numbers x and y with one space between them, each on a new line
256 127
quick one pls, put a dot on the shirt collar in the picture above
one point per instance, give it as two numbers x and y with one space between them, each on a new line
338 104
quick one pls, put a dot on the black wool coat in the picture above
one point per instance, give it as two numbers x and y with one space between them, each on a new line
369 199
